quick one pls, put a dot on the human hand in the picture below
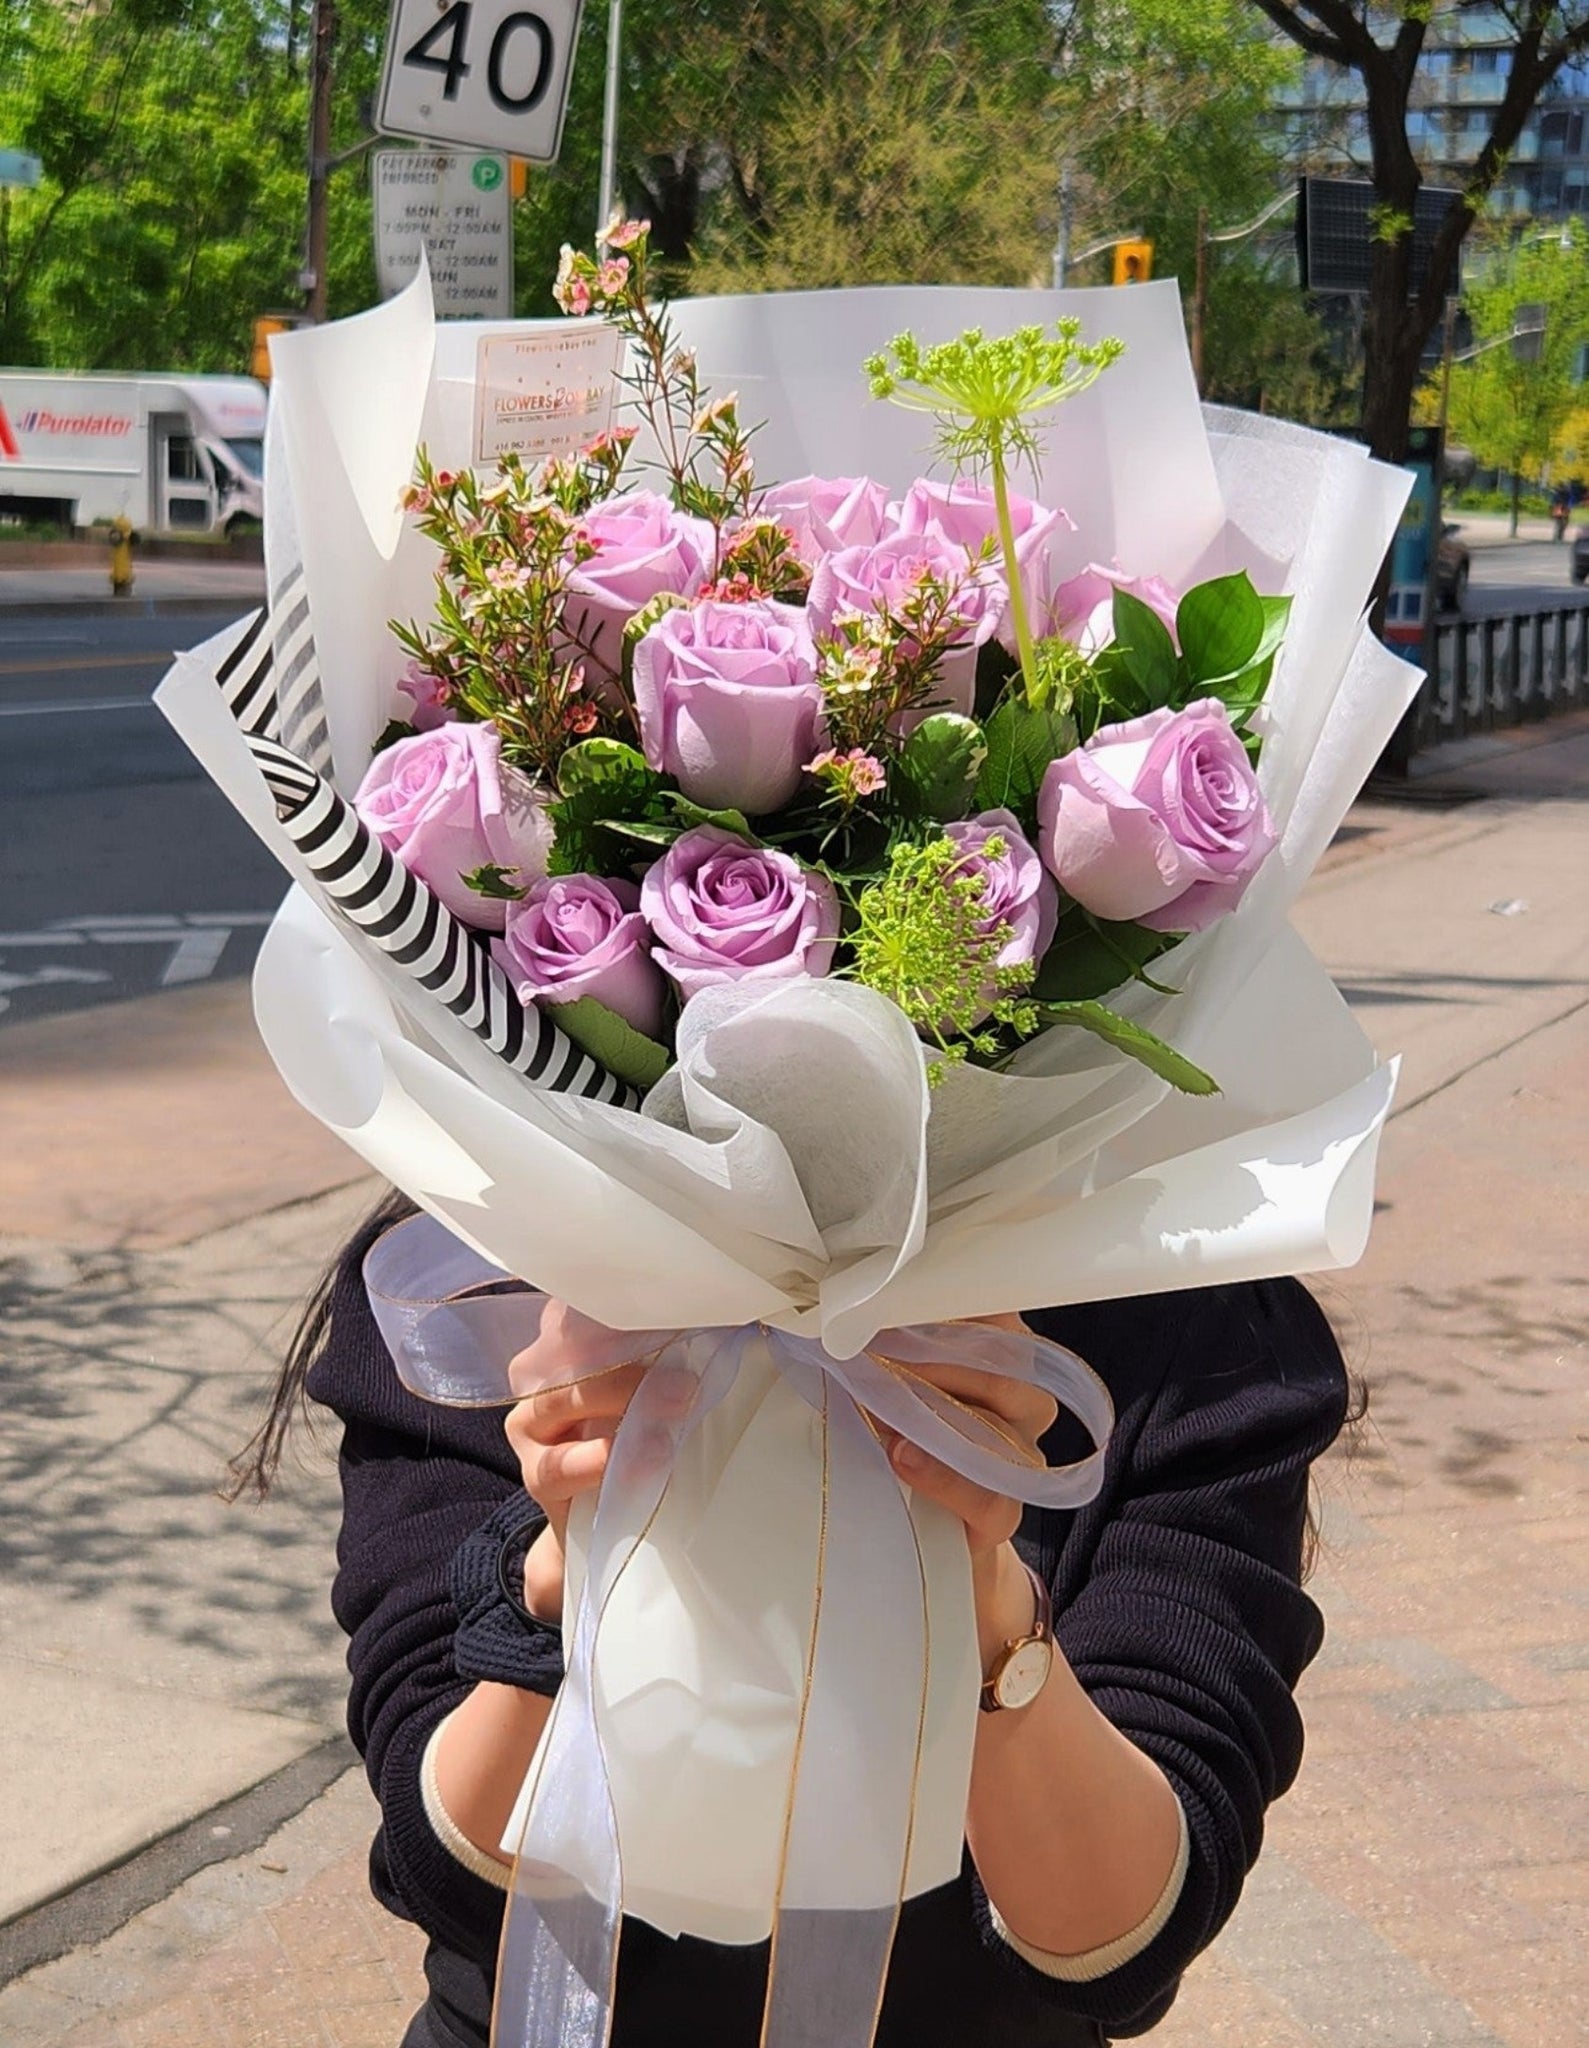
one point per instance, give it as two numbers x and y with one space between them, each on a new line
1021 1414
562 1437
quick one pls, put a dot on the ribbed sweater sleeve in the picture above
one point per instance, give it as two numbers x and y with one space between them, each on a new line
1179 1604
420 1486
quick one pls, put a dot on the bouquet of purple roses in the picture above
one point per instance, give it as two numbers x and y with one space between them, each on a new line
683 730
779 919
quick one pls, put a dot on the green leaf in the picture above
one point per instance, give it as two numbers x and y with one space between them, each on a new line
616 1044
1021 743
1143 647
600 782
1090 956
395 729
690 815
938 766
1136 1041
1220 626
491 880
605 764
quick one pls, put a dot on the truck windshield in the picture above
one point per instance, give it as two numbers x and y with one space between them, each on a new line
250 455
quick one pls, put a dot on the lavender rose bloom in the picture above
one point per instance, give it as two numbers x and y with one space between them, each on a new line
443 804
430 703
1083 607
822 514
1159 820
729 703
866 579
723 910
965 513
577 935
1016 891
643 547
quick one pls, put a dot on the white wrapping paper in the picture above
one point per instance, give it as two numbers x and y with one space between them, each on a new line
795 1169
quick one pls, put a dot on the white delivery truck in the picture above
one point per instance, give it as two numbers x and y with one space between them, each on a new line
175 454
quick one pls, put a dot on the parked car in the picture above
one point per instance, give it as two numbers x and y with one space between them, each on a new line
1452 564
1580 555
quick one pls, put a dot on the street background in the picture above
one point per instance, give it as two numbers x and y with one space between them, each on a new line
182 1839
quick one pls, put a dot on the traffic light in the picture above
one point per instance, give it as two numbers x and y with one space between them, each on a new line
264 327
1133 262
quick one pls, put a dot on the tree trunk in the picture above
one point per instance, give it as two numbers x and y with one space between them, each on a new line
1517 492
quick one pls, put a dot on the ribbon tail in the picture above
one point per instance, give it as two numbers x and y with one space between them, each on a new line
858 1760
557 1964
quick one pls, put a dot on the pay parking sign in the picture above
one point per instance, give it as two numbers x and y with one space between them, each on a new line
483 74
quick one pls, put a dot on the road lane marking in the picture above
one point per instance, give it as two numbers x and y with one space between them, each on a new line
85 704
75 662
196 943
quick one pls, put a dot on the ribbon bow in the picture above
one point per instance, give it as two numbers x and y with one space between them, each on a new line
463 1335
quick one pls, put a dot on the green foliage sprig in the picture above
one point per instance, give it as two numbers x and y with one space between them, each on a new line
499 647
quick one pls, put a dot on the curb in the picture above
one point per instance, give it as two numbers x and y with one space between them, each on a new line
93 1910
127 608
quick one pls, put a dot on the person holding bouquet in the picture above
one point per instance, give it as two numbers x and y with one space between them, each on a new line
1139 1657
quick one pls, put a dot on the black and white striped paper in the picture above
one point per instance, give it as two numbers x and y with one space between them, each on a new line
374 892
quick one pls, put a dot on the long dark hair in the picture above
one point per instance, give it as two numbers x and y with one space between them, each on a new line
251 1473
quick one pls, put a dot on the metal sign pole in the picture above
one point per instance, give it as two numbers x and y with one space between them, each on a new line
609 123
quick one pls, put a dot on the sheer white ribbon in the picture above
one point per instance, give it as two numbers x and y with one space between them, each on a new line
463 1334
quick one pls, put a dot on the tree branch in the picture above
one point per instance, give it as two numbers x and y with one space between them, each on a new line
1532 70
1304 34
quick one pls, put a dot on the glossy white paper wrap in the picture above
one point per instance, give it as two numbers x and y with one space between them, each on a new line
795 1169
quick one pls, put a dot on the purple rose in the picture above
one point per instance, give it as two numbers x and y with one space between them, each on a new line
443 804
1016 891
577 935
723 910
1083 607
1159 820
822 514
965 513
643 547
729 702
429 698
868 579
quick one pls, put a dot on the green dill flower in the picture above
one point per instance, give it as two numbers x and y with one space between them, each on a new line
925 941
987 397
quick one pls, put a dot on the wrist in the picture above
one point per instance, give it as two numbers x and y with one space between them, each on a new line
1002 1591
543 1578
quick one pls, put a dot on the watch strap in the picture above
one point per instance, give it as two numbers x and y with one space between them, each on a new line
1041 1631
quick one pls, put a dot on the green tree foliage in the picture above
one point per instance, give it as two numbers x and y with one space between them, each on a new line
1385 47
1513 413
773 143
170 210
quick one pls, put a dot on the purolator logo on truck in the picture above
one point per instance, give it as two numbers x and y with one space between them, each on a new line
107 426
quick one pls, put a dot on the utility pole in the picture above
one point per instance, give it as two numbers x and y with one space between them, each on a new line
322 43
1062 239
608 199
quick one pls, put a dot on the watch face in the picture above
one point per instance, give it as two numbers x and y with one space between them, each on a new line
1023 1677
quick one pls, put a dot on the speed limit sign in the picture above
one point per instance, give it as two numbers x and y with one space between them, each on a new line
485 74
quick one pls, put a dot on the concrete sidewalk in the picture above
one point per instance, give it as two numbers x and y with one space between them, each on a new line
1423 1887
157 587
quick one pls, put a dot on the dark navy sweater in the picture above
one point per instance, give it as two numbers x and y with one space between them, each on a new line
1177 1603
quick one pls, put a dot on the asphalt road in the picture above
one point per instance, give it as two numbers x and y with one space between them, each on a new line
1532 576
122 871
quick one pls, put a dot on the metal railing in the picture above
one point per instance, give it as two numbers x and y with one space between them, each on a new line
1514 668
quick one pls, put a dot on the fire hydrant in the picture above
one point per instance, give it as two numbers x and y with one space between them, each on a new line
122 540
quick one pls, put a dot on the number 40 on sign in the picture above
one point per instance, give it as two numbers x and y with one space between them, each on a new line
481 74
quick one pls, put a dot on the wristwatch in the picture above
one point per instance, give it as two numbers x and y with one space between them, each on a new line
1020 1670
